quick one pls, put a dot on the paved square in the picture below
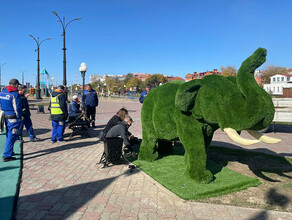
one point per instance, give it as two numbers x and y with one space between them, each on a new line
63 181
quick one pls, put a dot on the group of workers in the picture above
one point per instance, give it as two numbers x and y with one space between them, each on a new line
59 111
14 104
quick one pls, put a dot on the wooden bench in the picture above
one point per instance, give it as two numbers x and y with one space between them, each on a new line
32 106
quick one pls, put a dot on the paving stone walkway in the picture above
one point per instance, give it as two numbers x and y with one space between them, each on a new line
63 181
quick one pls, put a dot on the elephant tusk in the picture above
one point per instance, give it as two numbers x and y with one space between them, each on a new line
236 138
263 138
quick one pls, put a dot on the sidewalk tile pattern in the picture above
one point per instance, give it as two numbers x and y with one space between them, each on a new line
64 181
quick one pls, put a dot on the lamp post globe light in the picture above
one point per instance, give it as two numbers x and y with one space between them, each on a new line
38 91
0 75
83 69
64 26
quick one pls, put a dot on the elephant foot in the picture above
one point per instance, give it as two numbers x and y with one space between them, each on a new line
146 153
204 176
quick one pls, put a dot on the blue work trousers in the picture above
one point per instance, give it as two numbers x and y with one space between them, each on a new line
58 130
12 126
28 125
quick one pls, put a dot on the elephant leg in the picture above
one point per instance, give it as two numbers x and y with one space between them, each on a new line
148 148
208 132
192 138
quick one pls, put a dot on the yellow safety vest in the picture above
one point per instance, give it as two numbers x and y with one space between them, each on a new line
55 106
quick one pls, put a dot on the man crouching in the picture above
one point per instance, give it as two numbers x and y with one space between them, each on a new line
121 130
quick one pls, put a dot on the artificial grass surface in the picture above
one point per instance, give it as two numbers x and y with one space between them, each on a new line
9 174
169 172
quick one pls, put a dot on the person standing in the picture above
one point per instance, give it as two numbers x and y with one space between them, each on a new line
59 113
11 105
145 93
25 115
89 103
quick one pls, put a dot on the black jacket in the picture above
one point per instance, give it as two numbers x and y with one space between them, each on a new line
74 109
120 129
24 106
63 106
112 122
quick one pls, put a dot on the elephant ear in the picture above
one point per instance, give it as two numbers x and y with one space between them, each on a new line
186 95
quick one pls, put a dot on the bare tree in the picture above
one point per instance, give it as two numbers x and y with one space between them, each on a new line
271 70
228 71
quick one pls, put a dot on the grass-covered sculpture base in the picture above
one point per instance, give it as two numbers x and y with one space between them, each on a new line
169 172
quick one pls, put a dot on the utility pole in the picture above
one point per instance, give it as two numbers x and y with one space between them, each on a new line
22 76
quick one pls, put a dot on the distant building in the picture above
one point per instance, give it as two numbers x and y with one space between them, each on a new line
278 82
94 78
196 75
119 77
258 77
170 78
141 76
27 84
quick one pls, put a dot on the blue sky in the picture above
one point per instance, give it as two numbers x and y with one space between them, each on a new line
154 36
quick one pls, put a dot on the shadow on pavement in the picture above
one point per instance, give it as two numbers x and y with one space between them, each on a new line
8 168
256 162
62 203
55 148
263 150
273 198
37 131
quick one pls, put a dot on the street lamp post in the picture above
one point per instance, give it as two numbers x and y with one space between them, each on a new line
64 26
38 92
83 69
22 75
0 75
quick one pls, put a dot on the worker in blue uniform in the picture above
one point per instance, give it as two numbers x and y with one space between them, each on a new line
26 120
11 105
74 107
89 103
59 113
145 93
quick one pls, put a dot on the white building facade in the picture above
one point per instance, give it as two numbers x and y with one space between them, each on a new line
278 82
95 77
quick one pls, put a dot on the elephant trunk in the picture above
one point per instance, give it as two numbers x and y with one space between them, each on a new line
245 76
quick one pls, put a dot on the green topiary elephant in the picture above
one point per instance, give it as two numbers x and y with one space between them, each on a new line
192 111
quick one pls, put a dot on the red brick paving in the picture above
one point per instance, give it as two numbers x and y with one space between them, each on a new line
62 181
